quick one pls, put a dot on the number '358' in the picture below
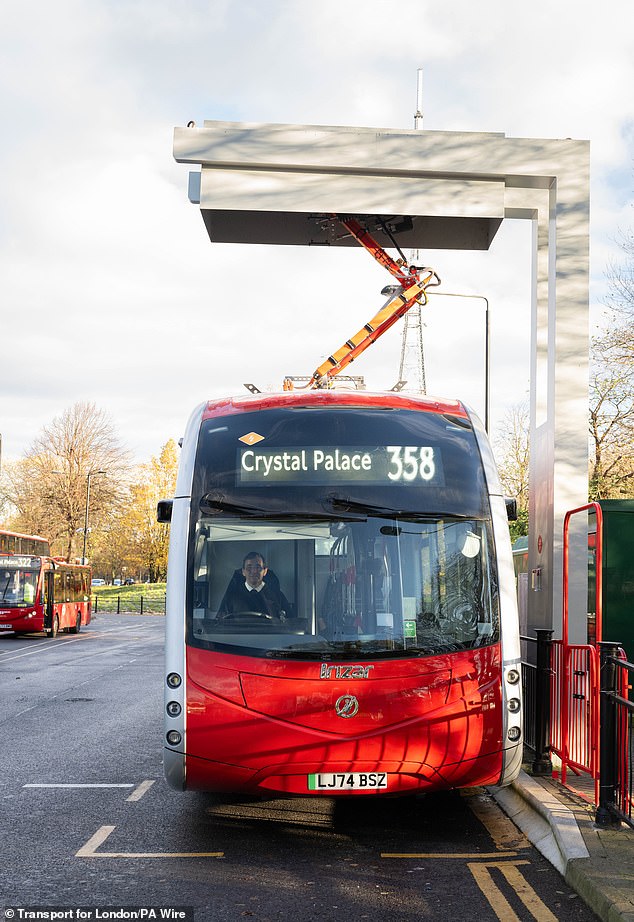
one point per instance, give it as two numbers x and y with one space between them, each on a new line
409 462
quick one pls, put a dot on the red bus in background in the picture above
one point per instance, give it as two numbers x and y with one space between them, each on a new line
12 542
40 593
392 662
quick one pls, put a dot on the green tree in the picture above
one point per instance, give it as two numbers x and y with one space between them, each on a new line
134 539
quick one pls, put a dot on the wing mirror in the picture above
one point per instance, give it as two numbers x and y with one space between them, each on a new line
164 511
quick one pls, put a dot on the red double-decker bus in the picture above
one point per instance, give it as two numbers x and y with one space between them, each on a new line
40 593
12 542
379 651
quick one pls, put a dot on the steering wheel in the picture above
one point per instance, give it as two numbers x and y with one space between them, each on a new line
238 616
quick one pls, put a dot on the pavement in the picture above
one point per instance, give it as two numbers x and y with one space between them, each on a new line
559 821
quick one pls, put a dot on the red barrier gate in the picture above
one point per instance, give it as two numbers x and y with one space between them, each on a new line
575 669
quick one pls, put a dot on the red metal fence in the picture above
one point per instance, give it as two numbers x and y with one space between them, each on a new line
574 709
591 715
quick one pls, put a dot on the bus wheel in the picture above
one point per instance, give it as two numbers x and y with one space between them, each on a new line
77 628
54 630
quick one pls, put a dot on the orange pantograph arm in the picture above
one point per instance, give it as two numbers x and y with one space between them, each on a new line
412 290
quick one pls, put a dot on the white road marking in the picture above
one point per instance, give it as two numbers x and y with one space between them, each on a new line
142 789
48 644
55 644
89 850
78 785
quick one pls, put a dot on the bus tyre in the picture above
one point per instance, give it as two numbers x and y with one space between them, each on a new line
54 630
77 628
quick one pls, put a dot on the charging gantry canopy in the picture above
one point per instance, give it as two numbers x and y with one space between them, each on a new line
279 184
282 184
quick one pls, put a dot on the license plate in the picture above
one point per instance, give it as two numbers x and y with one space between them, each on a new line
6 627
348 781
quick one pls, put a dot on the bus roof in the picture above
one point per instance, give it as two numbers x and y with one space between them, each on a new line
332 397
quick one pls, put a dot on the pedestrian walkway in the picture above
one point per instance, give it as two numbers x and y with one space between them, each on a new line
559 821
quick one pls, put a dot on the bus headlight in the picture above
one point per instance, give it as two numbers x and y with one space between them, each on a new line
513 734
173 708
174 680
513 676
514 705
173 737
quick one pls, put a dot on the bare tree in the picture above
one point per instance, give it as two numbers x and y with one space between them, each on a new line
512 456
27 508
620 276
612 385
49 486
611 417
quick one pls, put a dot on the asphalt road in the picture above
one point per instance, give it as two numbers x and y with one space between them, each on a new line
89 826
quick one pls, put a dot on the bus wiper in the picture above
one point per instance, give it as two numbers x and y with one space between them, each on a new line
211 503
353 505
301 650
401 515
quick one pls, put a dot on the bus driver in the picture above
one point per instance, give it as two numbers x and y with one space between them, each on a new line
251 592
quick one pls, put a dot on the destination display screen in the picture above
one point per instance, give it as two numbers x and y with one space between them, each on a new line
402 465
289 460
17 562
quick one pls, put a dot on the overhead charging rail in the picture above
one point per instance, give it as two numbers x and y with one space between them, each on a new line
413 282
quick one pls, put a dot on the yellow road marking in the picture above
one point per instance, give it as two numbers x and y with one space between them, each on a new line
89 850
438 855
498 902
504 833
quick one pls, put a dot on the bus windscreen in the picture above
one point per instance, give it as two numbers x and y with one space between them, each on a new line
18 580
370 529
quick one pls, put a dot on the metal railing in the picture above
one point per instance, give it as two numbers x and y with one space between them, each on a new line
150 604
577 707
615 784
536 691
585 691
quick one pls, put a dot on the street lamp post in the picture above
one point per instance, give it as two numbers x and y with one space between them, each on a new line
88 476
487 348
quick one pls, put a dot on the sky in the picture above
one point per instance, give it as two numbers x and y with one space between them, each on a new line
110 290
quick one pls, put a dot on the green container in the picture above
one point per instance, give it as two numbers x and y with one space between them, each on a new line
617 573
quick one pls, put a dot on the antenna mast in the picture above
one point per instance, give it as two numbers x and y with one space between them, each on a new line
418 117
412 367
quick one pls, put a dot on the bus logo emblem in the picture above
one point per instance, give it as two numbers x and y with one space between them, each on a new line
251 438
344 672
346 706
